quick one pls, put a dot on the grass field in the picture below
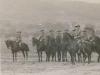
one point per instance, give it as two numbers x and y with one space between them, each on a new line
33 67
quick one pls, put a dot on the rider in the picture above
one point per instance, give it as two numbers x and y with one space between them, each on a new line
77 35
42 37
77 32
18 38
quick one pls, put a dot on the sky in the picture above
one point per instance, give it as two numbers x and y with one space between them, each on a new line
25 9
90 1
31 11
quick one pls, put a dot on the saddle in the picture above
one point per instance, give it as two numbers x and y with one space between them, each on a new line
19 45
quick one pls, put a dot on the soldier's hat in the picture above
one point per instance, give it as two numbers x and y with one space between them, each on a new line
77 25
59 31
42 30
66 30
18 31
51 31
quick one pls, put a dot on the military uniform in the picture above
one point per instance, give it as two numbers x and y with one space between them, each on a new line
18 38
77 33
42 38
77 37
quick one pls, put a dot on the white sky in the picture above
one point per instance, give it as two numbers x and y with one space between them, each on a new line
93 1
23 9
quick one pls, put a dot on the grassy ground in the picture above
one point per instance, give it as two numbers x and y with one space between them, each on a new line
33 67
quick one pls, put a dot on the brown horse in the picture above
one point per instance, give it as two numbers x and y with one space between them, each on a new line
13 45
40 47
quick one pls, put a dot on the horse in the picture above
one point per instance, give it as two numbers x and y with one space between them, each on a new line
96 47
73 49
40 47
51 48
13 45
86 50
65 45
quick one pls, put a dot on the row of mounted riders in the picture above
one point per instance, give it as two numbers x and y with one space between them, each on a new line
55 50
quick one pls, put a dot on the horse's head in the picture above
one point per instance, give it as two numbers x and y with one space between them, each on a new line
8 43
35 41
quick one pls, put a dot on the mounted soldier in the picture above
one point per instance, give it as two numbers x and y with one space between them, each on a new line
77 32
78 39
87 41
18 38
59 44
42 37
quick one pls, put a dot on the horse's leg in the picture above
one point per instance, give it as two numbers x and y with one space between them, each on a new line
89 59
53 54
23 53
16 56
41 56
84 58
72 58
13 56
55 57
99 58
46 57
26 54
79 57
58 55
63 56
66 56
75 57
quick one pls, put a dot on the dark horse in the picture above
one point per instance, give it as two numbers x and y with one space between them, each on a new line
40 47
73 49
96 46
86 50
15 48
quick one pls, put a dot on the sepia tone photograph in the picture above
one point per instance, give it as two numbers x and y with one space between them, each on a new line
49 37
